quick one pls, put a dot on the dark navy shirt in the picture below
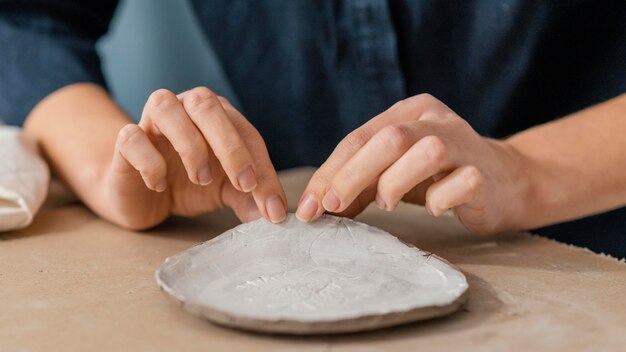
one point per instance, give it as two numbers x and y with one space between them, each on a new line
308 72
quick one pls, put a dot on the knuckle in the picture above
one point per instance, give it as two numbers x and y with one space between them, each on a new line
395 138
234 150
356 139
434 148
426 97
161 98
428 100
201 98
474 178
419 100
249 133
127 134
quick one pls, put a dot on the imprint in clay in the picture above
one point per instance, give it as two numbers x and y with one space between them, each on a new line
332 275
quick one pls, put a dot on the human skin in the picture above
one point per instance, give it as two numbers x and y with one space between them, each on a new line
190 154
418 151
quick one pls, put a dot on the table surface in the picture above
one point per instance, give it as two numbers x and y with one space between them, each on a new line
73 282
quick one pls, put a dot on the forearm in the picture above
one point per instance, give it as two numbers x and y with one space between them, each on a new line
76 128
576 165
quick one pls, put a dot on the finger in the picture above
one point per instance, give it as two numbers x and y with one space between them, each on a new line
462 186
369 162
360 203
242 203
309 206
164 114
269 194
136 153
429 157
417 107
207 113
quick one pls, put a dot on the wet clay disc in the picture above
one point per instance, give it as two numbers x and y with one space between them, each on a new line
331 276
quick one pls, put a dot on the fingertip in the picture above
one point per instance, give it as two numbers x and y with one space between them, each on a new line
380 203
275 208
307 209
300 218
161 186
427 208
434 210
438 213
250 213
331 201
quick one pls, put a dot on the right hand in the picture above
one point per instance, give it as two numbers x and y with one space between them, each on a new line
190 154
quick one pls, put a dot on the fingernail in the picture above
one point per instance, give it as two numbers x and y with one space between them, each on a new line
204 175
331 201
427 207
247 179
275 209
307 208
380 203
161 186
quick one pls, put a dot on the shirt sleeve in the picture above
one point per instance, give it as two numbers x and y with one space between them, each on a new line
46 45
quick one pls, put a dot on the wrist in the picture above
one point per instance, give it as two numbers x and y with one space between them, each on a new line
528 199
512 187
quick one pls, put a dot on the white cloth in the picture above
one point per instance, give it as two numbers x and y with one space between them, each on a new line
24 179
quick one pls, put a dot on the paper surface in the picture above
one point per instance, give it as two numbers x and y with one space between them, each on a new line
328 271
75 282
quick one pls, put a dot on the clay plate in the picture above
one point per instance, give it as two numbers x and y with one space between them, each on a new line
334 275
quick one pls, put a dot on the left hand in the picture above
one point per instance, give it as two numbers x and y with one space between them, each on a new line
420 151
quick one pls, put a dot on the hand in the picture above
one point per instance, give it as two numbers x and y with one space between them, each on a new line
191 153
421 152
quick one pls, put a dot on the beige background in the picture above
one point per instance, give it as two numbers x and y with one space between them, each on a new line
73 282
